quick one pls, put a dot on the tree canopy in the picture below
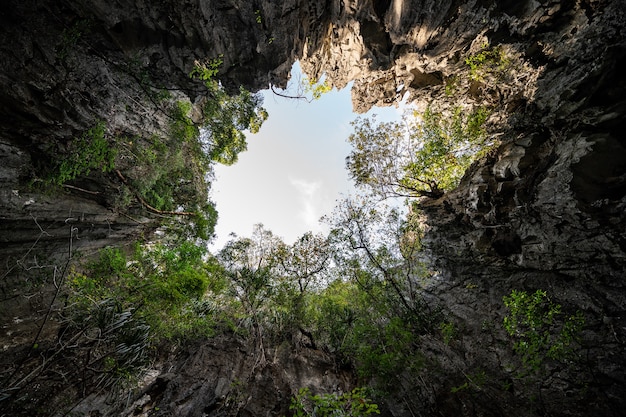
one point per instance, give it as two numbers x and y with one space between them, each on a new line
423 155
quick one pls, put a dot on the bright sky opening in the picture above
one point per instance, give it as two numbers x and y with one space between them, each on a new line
294 169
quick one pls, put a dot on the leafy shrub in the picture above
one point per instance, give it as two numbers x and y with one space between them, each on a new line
448 331
161 285
540 328
352 404
490 60
381 348
89 152
111 263
181 126
206 71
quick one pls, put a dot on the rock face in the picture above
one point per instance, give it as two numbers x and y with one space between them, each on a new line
224 376
67 65
547 210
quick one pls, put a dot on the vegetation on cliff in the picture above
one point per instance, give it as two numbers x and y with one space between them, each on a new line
169 172
496 290
359 294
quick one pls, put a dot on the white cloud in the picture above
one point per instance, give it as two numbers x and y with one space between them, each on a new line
311 202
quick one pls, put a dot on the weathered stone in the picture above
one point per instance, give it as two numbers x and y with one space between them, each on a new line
547 210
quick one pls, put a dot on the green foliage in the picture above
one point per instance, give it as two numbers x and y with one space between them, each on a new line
451 86
118 336
305 262
540 328
202 224
249 267
181 126
372 315
280 296
171 175
448 331
423 155
384 354
71 36
91 151
449 144
110 263
381 243
489 61
162 286
316 87
226 118
358 323
354 404
206 71
258 18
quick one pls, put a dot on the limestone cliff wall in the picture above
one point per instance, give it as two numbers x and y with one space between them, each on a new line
544 211
66 65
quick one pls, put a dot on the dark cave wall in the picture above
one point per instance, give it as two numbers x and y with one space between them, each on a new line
66 65
544 211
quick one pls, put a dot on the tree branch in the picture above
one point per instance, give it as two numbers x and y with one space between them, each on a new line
148 206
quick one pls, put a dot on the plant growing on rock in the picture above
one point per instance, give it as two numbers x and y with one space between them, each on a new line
540 329
160 285
491 60
91 151
173 170
351 404
226 117
71 36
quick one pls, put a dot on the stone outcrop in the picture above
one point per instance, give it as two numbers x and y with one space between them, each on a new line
66 65
226 376
546 210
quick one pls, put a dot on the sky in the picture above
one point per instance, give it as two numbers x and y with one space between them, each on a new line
294 169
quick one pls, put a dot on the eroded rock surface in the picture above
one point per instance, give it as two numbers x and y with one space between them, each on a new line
544 211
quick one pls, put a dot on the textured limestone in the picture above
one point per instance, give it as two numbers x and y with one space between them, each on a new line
546 210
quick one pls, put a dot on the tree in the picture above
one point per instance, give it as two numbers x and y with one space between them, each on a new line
255 252
424 155
305 260
301 269
249 265
226 117
375 243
